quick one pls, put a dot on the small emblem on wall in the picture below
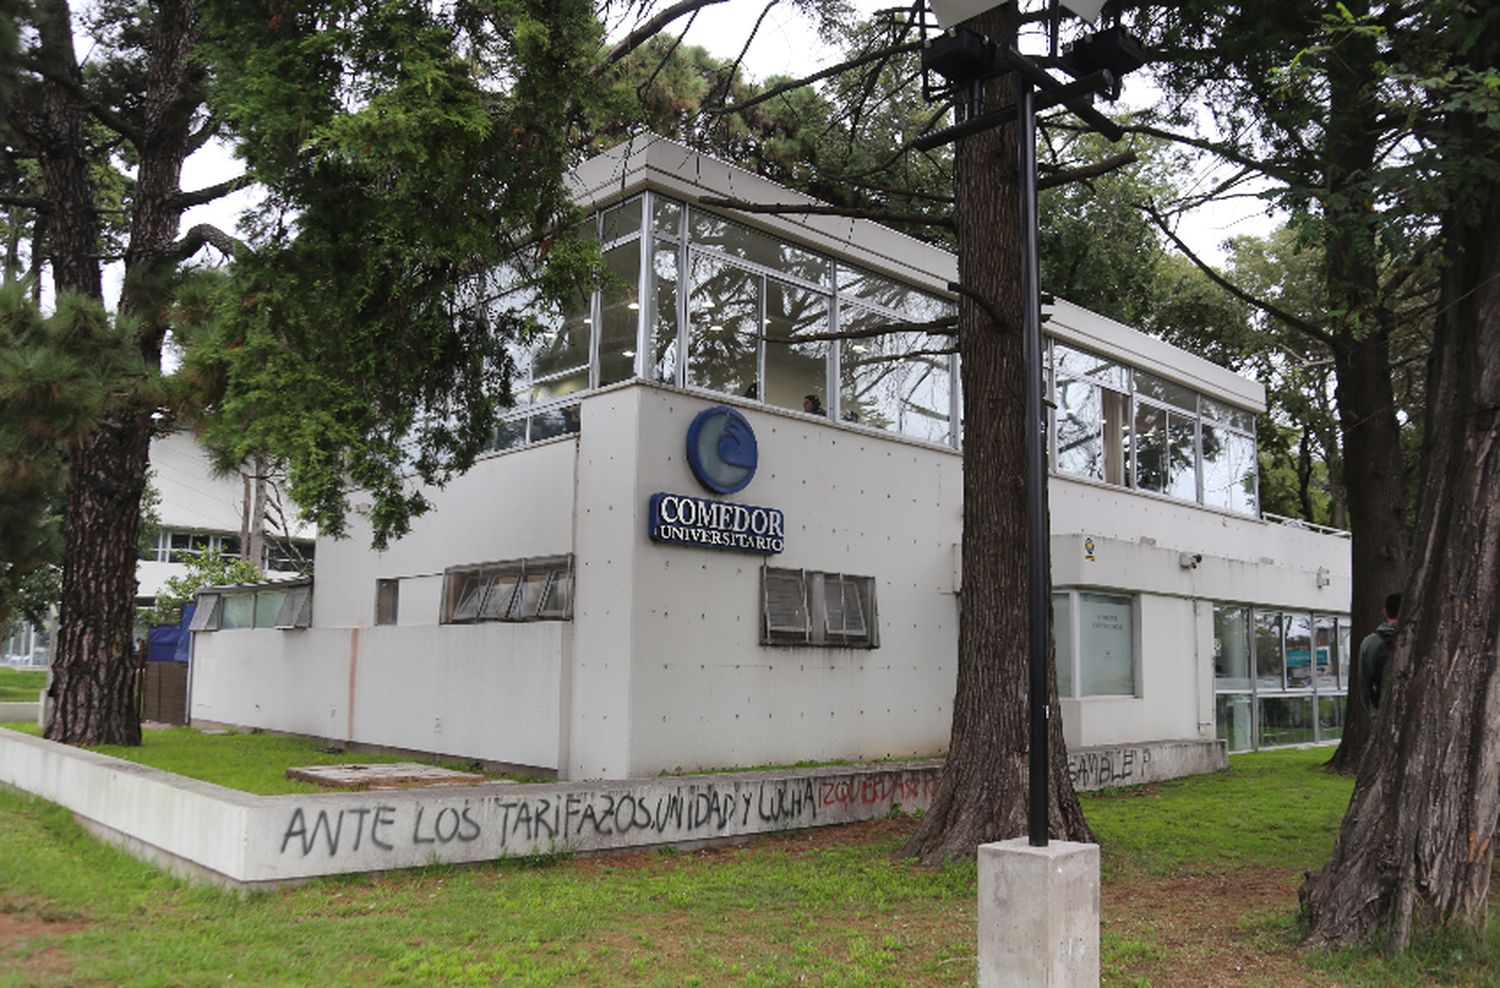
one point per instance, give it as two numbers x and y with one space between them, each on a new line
1088 548
721 450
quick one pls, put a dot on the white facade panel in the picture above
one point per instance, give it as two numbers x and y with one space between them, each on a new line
509 506
706 693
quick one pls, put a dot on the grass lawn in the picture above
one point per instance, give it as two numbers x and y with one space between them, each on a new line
254 763
21 685
1200 884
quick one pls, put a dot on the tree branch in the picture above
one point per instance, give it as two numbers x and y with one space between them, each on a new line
1063 176
204 134
197 237
99 111
823 209
947 326
25 202
186 200
832 70
980 301
649 30
1228 153
1296 322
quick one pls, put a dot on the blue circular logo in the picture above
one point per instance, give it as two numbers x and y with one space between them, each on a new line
721 450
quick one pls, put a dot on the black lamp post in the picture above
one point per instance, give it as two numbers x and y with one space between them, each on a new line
1096 63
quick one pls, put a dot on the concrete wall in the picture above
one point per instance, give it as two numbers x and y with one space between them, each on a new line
661 666
14 712
705 692
508 506
230 838
204 831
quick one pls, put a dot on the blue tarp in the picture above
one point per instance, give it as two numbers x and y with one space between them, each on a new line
170 642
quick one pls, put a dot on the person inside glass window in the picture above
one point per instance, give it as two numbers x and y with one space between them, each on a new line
813 405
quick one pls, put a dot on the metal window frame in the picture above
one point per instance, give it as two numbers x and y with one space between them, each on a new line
387 602
296 609
208 618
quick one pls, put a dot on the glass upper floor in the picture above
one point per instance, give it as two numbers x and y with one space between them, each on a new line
697 300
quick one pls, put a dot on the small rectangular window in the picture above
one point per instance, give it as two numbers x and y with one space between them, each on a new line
784 606
830 609
237 611
521 590
207 616
268 607
558 602
296 608
387 601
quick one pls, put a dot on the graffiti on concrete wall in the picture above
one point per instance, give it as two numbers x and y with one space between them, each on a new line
1109 767
653 811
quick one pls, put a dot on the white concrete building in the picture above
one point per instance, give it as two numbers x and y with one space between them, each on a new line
197 510
669 563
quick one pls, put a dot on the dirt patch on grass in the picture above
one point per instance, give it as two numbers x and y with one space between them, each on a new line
44 964
1206 931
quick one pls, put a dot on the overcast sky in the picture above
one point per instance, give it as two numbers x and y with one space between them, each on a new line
786 44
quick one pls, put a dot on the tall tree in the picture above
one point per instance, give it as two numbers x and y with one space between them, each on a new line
405 148
982 796
1416 848
1310 119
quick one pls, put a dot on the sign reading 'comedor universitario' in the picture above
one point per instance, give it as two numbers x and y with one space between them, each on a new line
723 455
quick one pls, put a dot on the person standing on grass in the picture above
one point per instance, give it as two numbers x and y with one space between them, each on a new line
1375 652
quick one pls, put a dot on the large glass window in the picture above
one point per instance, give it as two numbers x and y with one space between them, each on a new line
620 313
662 318
1231 647
1326 658
1268 655
1127 426
898 381
1297 692
1229 469
724 328
1106 645
1286 720
1298 651
1095 643
714 232
1234 721
795 370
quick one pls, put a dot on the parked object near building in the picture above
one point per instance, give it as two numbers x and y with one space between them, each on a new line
669 563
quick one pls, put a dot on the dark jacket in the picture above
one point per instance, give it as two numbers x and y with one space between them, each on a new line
1374 653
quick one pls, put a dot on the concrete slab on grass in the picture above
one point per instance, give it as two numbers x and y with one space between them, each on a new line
388 775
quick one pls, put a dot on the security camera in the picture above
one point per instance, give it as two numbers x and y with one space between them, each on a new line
1189 560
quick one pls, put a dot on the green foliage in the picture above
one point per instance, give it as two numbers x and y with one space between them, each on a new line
408 150
57 375
209 568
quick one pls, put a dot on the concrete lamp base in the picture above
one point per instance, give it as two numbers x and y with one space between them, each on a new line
1038 915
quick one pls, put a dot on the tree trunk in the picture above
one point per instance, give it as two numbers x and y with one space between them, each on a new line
983 794
1373 468
1417 843
92 674
254 546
